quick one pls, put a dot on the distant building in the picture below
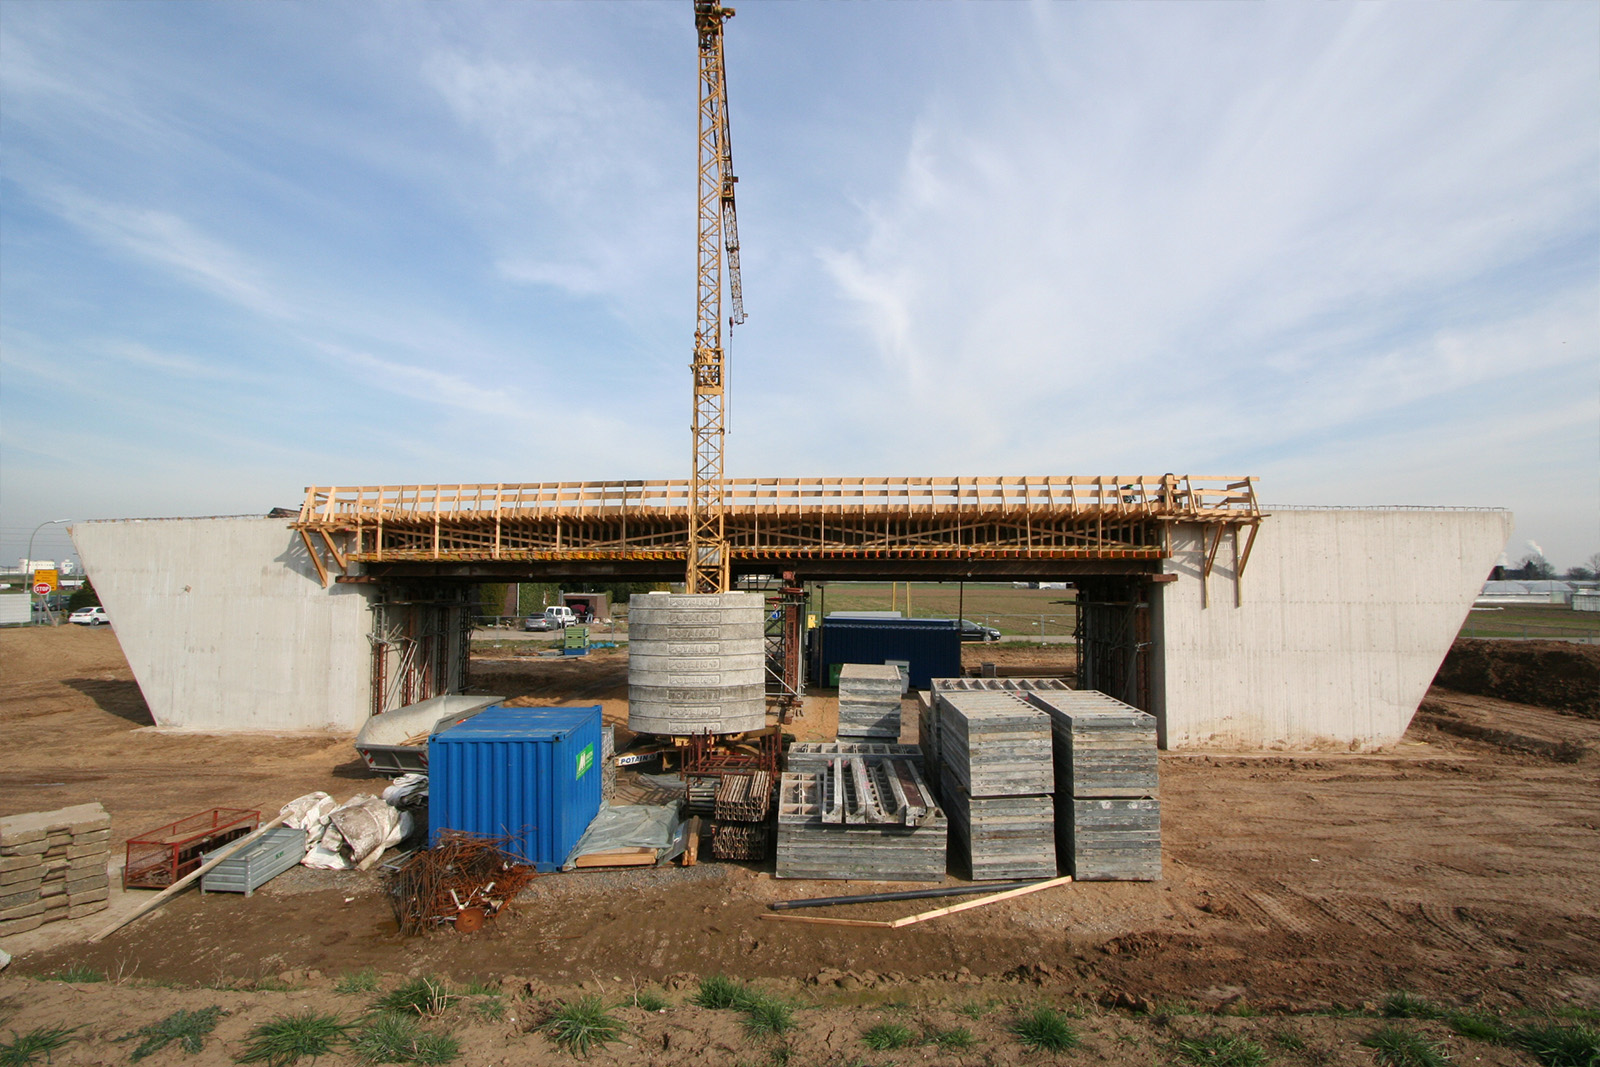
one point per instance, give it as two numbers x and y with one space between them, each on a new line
1514 591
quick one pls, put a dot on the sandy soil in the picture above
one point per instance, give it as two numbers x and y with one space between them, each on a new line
1464 864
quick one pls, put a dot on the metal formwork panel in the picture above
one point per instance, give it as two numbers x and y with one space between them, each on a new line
1110 839
811 847
1102 747
994 743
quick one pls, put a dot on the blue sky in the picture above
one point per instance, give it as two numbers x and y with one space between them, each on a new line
1351 249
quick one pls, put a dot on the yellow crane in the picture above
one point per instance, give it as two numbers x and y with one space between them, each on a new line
719 234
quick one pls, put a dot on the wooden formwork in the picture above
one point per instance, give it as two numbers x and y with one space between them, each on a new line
1053 517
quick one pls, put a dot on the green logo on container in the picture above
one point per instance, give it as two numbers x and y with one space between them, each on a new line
585 761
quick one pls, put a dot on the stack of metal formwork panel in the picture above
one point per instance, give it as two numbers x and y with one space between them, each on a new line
928 708
997 782
1107 807
816 755
869 701
860 818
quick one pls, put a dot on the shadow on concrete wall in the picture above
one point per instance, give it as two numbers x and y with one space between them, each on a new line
119 698
297 559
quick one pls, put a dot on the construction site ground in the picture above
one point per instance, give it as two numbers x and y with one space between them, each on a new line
1462 864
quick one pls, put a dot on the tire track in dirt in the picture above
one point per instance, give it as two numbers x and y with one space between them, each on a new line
1278 911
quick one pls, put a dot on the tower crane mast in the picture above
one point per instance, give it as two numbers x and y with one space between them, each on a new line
708 564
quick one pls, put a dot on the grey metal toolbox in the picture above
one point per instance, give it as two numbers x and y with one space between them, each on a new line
245 872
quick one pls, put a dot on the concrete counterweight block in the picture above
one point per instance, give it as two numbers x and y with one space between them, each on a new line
696 663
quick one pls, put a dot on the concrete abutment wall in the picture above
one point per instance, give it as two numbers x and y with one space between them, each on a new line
226 625
1331 637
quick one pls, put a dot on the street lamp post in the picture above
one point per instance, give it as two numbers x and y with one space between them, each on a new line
31 593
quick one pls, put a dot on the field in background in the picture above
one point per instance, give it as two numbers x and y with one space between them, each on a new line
1547 621
1014 612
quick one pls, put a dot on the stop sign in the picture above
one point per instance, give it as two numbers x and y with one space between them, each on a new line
41 588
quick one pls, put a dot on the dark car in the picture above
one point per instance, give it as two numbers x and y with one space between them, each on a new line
971 631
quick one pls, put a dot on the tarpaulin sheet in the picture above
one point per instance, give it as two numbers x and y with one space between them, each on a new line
657 826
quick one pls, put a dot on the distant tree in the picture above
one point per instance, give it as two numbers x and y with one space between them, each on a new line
1579 574
83 597
1535 568
492 597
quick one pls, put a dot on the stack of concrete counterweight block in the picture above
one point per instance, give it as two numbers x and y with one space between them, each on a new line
869 702
53 866
1108 809
994 752
696 663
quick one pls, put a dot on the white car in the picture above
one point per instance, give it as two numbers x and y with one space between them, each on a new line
95 616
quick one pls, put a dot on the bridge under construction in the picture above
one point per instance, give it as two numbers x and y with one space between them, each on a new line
819 528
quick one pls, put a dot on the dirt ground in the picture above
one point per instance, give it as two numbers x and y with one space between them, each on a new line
1552 674
1462 864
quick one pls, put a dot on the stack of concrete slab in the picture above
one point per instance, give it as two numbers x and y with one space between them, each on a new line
859 818
1107 807
53 866
997 782
869 701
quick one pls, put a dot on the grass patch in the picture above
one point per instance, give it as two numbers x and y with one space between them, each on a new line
1410 1006
189 1028
77 973
425 997
1394 1047
719 992
401 1039
1478 1027
1222 1050
492 1010
288 1039
955 1038
1045 1030
767 1015
24 1049
1288 1040
649 1000
480 988
974 1010
582 1024
1560 1046
362 981
886 1036
1576 1012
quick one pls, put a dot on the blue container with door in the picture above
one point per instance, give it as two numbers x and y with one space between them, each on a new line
530 774
931 646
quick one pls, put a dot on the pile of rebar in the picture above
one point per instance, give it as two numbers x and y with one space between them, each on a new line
462 872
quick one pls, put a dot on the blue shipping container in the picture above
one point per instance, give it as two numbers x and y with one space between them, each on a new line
530 774
931 646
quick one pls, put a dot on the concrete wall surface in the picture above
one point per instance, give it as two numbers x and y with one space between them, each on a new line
1332 636
226 625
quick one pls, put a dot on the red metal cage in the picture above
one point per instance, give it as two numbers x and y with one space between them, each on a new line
162 856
